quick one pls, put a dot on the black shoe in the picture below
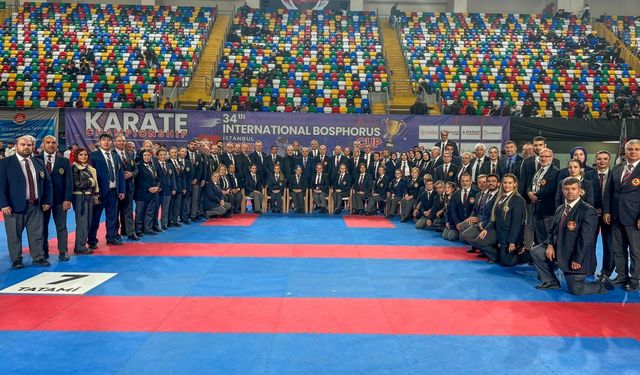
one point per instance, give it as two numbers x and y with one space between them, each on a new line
605 282
258 212
165 228
83 251
17 264
337 211
140 235
114 243
177 225
46 254
93 246
64 256
619 280
133 237
633 286
152 233
158 230
548 285
491 261
41 263
471 250
118 237
481 255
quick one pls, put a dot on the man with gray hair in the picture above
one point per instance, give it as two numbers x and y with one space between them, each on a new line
25 193
621 209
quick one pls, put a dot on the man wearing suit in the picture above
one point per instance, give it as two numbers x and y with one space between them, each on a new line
306 162
197 182
510 163
435 162
112 187
319 184
341 187
455 159
227 158
253 188
167 178
600 178
25 192
176 201
125 222
378 192
465 167
362 189
397 190
481 214
243 161
59 170
621 208
374 165
491 165
477 163
298 188
335 161
542 194
571 243
447 171
425 202
185 164
444 142
259 159
271 160
460 207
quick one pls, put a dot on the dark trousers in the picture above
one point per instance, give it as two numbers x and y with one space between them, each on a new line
60 220
176 205
608 264
626 244
109 204
185 206
541 224
575 282
507 259
275 202
298 200
83 209
125 223
15 224
488 245
237 202
165 205
144 215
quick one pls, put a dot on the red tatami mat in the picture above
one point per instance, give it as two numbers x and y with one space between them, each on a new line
319 315
353 221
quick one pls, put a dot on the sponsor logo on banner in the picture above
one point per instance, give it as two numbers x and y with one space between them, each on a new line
428 132
492 133
20 118
471 133
59 283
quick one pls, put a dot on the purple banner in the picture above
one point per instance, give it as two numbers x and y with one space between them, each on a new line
396 132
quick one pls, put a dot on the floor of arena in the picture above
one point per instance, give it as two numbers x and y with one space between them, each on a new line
307 294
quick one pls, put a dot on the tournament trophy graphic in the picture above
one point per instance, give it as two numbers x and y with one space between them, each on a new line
394 127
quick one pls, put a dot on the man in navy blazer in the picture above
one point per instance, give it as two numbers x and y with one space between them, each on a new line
571 244
542 194
601 177
621 209
25 192
61 175
112 189
460 207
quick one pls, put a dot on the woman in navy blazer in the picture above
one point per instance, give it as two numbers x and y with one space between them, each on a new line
145 195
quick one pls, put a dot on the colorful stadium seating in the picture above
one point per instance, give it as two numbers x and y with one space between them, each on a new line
42 40
326 62
627 28
494 58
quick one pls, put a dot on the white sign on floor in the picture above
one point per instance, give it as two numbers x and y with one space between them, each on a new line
59 283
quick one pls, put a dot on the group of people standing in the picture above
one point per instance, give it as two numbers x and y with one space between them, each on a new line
511 208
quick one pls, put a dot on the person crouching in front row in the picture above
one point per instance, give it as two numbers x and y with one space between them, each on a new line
213 200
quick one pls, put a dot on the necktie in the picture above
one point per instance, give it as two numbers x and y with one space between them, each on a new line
231 158
193 158
318 179
30 182
297 180
340 179
493 168
49 164
112 176
464 196
567 208
601 177
153 172
404 168
254 179
273 157
304 162
277 177
536 180
361 178
123 157
627 173
164 168
260 156
337 161
483 200
509 164
446 169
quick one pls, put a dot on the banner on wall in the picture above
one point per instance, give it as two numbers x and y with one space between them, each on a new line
396 132
38 122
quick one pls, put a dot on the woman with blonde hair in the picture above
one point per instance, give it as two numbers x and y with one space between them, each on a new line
85 196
